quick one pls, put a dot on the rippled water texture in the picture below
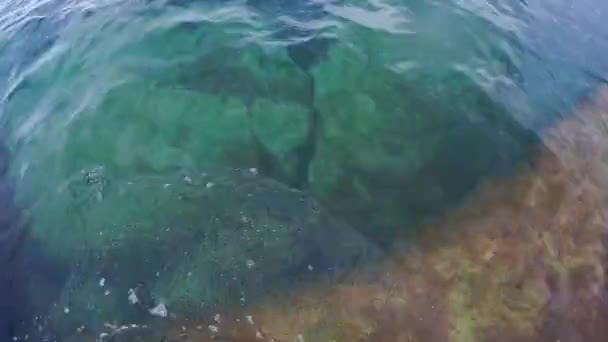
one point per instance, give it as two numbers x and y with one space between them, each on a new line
319 170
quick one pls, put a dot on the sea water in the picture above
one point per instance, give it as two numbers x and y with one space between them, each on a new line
129 120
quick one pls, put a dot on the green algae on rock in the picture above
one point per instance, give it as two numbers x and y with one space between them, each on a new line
184 241
278 95
167 128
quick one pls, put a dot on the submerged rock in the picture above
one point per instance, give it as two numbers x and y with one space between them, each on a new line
143 126
395 149
184 242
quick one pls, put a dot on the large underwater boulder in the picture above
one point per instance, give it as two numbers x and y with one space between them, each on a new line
378 142
377 136
185 242
395 148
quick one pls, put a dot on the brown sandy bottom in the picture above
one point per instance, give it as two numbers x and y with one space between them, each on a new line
523 259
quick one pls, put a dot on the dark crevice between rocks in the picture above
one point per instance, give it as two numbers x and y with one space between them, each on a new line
305 152
295 171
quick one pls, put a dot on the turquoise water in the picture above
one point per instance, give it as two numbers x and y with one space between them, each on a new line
156 115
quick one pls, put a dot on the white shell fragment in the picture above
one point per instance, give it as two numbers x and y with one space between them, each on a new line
160 310
133 297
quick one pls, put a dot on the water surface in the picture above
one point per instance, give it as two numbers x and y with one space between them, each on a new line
133 127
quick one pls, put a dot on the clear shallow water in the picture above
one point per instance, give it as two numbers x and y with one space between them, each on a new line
387 113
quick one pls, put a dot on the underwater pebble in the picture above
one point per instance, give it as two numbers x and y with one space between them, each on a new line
253 170
102 336
80 329
102 282
66 310
209 185
299 338
213 328
217 318
310 268
249 319
250 263
187 179
259 335
160 310
107 292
